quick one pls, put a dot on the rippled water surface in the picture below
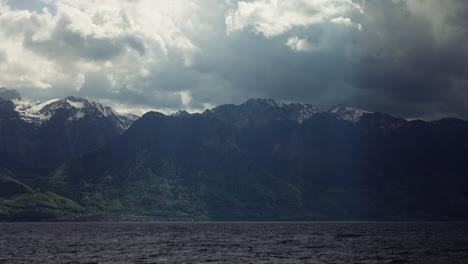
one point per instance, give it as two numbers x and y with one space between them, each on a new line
234 243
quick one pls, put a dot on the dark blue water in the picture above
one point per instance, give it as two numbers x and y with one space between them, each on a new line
234 243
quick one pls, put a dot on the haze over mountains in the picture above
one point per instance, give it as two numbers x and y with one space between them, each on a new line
261 160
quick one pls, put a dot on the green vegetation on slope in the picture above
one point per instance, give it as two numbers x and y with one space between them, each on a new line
19 202
133 189
10 187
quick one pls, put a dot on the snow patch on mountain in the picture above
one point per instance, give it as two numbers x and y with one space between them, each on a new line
39 113
75 104
297 112
104 110
78 115
275 103
29 110
306 112
347 113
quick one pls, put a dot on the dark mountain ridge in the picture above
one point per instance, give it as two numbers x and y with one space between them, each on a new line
259 161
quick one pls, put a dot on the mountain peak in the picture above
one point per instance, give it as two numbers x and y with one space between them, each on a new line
339 108
153 115
262 110
71 109
345 112
7 94
261 101
181 113
76 99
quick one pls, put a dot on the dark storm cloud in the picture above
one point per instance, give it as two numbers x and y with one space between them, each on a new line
398 63
407 64
407 58
259 67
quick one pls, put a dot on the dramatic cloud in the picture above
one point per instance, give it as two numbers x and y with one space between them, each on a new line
274 17
406 57
115 43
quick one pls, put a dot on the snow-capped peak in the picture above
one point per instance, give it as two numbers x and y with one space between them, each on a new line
276 103
306 112
260 110
268 102
348 113
71 109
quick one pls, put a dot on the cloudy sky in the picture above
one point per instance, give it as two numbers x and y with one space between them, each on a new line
404 57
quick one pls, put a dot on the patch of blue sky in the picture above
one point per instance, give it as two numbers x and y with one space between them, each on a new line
32 5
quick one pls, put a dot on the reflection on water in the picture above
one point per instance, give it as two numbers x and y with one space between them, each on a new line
234 243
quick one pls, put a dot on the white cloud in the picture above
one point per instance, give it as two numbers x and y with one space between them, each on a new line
275 17
346 21
120 38
298 44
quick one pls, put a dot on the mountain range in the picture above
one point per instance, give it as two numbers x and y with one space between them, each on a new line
261 160
36 137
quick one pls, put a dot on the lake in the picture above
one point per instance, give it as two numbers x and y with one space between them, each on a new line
234 243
